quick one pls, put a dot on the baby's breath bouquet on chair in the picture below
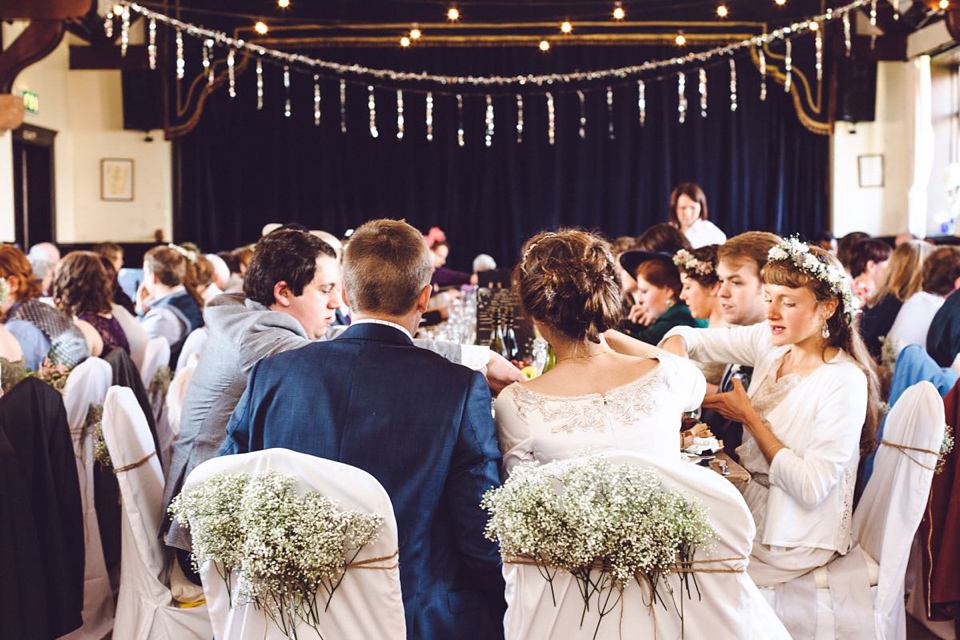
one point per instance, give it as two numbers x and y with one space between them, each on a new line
606 524
286 553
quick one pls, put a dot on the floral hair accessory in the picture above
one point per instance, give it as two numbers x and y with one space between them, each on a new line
686 261
523 260
434 236
191 256
4 289
799 254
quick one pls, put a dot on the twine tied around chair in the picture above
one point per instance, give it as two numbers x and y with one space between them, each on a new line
136 464
527 560
904 449
365 564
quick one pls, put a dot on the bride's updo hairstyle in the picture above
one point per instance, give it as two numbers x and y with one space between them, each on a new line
842 325
569 281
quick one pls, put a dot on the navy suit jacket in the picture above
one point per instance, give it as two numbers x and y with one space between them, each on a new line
420 425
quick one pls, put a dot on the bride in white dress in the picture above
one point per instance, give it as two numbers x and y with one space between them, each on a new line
594 399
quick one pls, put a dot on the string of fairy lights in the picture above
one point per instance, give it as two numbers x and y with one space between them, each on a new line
522 86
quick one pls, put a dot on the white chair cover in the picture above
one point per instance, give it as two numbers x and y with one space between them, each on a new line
192 346
157 354
176 393
145 609
87 384
894 500
854 603
730 606
137 336
368 604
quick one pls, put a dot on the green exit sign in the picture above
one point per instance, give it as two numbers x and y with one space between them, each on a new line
31 102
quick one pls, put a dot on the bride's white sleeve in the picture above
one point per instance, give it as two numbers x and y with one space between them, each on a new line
687 381
513 432
732 345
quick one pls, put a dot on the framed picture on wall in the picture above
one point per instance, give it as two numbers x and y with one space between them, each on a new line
870 170
116 179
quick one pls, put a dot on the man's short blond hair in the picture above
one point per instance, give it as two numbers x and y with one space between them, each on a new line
386 264
752 246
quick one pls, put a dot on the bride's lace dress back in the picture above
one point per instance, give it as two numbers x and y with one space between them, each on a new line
642 415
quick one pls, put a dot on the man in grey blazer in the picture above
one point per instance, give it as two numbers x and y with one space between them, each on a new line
292 289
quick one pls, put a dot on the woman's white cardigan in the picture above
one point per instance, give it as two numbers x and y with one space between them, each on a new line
819 422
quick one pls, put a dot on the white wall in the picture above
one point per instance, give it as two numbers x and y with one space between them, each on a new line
86 109
876 210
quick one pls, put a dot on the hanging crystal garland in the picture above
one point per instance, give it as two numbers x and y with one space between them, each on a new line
846 32
108 26
763 74
399 114
372 108
551 120
259 85
152 46
788 66
287 106
642 101
429 116
343 107
460 140
703 92
818 44
488 139
610 133
682 98
316 100
205 60
124 31
873 23
181 65
733 85
231 74
519 118
583 114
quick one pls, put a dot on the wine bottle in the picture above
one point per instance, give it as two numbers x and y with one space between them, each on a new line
496 335
510 338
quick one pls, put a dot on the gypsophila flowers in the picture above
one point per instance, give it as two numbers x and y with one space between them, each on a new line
946 446
288 551
590 515
799 255
686 261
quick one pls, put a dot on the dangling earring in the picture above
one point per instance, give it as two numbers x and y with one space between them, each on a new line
825 332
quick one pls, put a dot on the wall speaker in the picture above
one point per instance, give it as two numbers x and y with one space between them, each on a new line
858 91
142 99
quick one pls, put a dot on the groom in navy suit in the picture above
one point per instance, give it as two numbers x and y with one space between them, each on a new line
418 423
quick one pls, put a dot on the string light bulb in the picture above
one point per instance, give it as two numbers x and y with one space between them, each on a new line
722 11
404 42
618 12
944 4
544 45
453 14
566 27
283 4
415 33
261 27
780 3
118 10
814 26
680 39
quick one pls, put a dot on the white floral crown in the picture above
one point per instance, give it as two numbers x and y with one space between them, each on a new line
799 254
191 256
686 261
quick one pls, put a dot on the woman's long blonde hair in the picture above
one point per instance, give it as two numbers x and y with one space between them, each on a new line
905 273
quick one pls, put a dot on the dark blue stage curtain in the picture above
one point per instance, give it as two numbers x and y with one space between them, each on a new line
240 168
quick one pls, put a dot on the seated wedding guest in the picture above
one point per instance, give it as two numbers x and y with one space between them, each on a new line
170 309
112 252
593 398
13 366
234 281
206 286
41 330
81 289
698 275
663 238
292 291
118 295
943 337
826 241
904 278
418 423
628 283
658 307
443 277
44 258
810 410
904 237
484 262
941 277
845 247
688 213
243 255
221 272
869 260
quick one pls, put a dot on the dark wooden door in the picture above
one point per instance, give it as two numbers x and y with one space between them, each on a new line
34 193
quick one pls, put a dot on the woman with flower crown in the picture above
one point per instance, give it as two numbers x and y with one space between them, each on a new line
593 399
810 411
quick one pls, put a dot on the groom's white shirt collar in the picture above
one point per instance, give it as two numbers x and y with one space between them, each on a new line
385 323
